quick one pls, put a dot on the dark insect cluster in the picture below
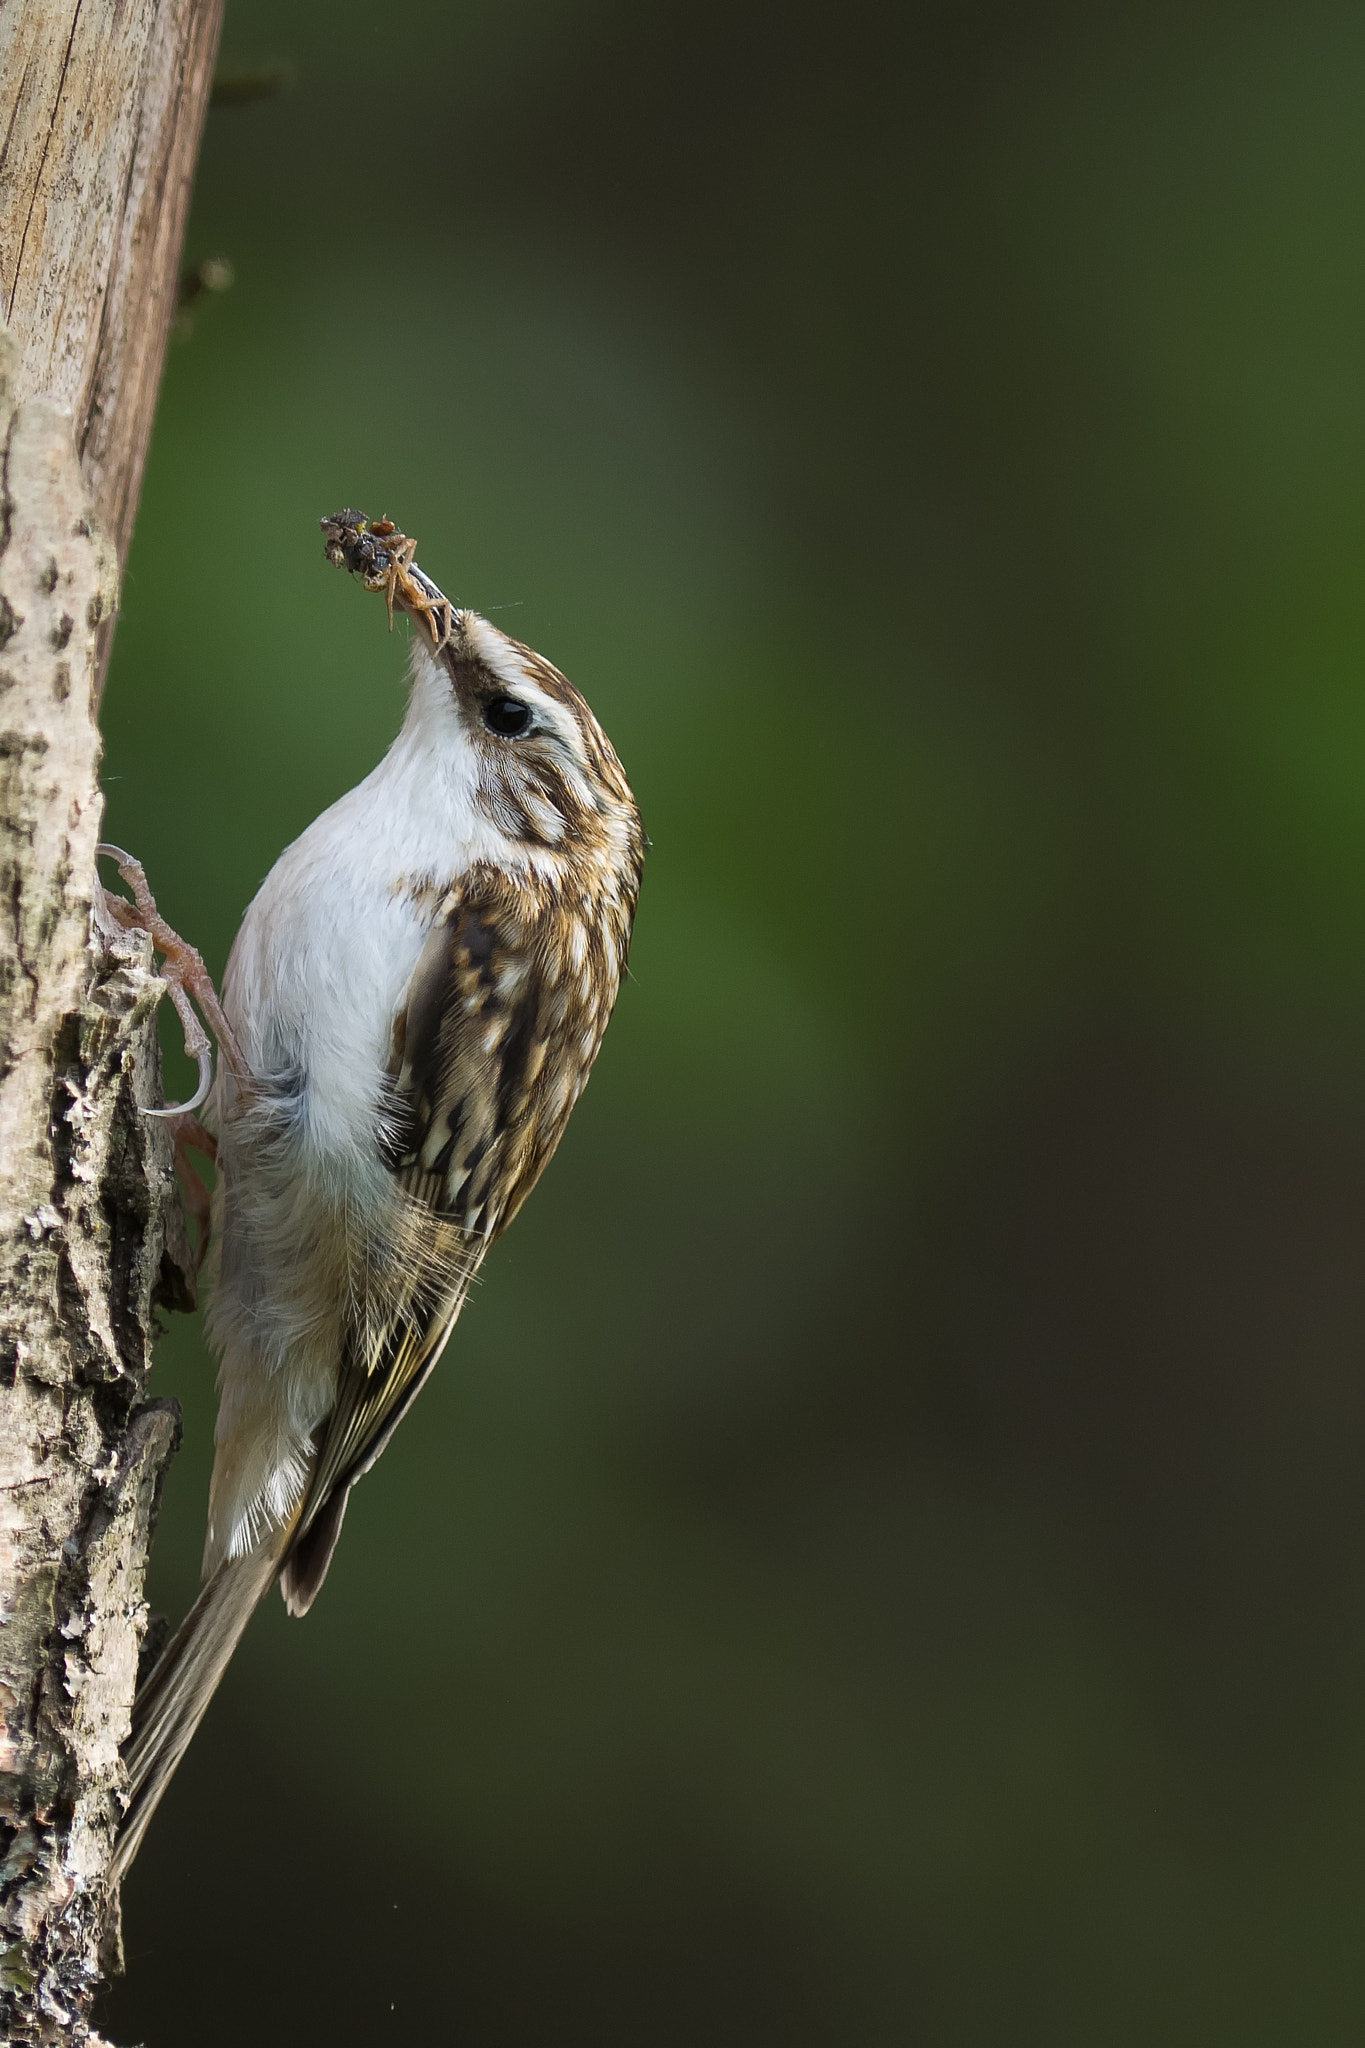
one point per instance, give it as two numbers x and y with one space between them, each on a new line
382 557
353 542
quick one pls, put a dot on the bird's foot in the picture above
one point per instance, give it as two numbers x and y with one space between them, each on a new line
186 978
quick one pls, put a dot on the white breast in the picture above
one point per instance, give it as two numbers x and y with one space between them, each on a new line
328 947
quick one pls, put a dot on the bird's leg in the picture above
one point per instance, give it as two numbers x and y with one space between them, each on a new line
190 1135
185 976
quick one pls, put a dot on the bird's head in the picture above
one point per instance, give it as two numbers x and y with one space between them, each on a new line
538 768
548 776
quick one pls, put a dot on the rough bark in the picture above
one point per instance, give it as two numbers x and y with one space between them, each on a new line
101 107
91 1240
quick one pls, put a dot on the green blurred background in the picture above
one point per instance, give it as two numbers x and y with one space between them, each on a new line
884 1558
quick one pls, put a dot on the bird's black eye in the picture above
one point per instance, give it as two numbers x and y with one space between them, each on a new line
508 717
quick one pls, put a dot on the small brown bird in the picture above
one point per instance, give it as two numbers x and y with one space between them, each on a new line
410 1011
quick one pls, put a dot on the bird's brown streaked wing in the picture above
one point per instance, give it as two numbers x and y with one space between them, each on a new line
464 1141
371 1403
378 1383
474 1121
376 1386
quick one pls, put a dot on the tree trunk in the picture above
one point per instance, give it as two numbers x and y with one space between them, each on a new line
103 104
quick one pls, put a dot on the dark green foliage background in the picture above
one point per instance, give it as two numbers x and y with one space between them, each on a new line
884 1558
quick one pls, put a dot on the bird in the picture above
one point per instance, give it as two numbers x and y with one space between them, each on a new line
410 1011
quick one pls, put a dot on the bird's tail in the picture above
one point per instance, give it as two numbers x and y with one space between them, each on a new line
172 1703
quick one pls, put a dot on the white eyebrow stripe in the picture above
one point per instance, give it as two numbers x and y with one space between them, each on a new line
494 650
555 716
501 659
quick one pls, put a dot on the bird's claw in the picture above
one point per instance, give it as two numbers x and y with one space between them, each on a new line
185 976
205 1058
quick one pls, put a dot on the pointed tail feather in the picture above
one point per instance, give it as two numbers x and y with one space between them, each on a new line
173 1702
305 1568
